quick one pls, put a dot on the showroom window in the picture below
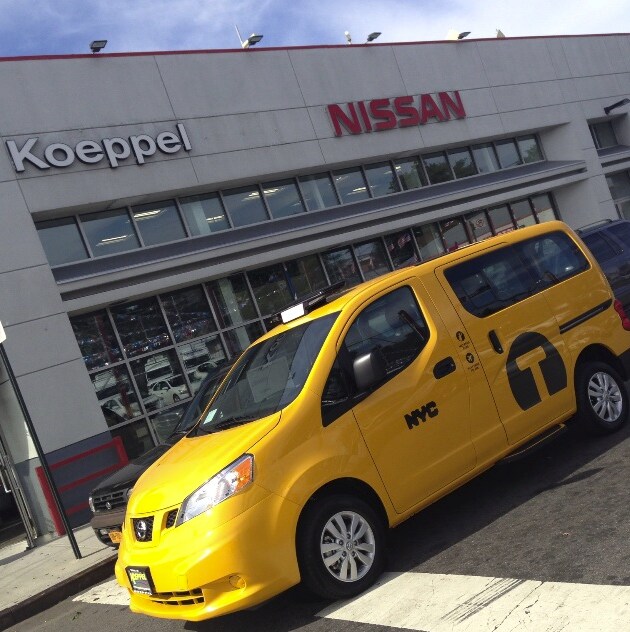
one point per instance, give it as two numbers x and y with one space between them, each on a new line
438 167
110 232
478 225
245 206
318 191
401 249
232 300
454 233
508 153
188 313
382 179
462 162
270 288
204 214
603 135
61 241
306 275
283 198
351 185
486 158
501 219
341 266
529 149
522 213
372 258
619 185
411 173
158 223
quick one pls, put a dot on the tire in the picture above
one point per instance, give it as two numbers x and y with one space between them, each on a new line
358 561
602 398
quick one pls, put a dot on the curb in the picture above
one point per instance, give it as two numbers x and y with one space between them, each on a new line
53 595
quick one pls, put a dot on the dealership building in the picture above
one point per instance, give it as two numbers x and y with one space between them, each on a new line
159 208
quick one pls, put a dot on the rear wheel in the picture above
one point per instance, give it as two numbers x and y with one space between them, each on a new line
602 397
341 546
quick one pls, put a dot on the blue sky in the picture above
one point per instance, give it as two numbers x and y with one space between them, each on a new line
50 27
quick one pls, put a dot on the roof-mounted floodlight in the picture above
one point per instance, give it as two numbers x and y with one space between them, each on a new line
348 37
307 304
463 34
98 45
500 34
618 104
252 40
454 35
372 36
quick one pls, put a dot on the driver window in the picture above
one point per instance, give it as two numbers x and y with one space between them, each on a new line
393 324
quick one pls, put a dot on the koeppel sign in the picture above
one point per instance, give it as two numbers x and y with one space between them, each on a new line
377 115
91 152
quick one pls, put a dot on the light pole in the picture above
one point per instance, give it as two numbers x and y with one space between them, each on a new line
38 445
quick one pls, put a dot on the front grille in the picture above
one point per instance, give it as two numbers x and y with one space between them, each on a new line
185 598
115 500
170 518
143 529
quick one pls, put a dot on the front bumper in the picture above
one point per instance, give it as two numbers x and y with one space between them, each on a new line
201 571
104 522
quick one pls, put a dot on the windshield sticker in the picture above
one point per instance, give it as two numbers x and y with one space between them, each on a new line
210 415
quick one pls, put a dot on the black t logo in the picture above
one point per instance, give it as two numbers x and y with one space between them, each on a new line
522 381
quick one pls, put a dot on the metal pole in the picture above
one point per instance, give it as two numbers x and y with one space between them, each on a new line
40 453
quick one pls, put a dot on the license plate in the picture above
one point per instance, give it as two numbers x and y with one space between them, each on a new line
115 536
140 579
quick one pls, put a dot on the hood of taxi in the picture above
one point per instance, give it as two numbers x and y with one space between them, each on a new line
192 462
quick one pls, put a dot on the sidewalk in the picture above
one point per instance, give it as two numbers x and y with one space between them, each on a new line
34 580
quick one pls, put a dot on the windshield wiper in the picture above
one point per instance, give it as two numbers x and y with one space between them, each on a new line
230 422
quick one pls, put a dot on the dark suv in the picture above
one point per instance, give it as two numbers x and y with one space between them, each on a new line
609 241
108 501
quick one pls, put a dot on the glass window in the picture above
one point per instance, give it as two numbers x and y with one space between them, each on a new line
340 265
158 223
619 185
141 327
603 135
202 357
96 339
622 233
624 209
461 162
110 232
306 275
245 206
485 158
437 168
61 241
283 198
411 173
530 151
237 340
543 208
160 380
523 214
232 300
188 313
478 225
351 185
115 395
508 154
454 233
204 214
372 258
429 241
401 249
491 282
394 325
601 248
318 191
501 219
381 179
270 289
136 438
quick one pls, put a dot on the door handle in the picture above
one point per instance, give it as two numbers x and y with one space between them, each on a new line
494 340
443 368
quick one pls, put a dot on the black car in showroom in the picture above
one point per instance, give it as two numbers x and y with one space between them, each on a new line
108 500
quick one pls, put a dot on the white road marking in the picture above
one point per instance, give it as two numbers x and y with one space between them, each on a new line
460 603
110 593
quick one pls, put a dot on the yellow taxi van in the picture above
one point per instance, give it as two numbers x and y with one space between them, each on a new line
358 411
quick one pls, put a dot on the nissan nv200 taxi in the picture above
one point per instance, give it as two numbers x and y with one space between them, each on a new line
358 411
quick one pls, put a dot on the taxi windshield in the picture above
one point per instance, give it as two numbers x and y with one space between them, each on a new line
268 376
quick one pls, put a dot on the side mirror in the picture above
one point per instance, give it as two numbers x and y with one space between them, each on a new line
369 369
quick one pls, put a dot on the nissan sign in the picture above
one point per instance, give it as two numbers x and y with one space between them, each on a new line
378 115
91 152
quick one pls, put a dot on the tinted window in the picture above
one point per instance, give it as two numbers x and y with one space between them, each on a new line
158 223
283 198
61 240
204 214
491 282
318 191
622 232
109 232
601 249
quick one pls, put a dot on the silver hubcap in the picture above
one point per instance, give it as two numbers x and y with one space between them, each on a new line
347 546
605 396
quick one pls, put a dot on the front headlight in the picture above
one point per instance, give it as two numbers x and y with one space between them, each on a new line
91 504
234 478
128 493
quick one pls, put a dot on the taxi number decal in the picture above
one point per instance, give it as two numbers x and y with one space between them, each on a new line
420 414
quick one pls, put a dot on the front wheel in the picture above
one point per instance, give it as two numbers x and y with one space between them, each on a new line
602 398
341 546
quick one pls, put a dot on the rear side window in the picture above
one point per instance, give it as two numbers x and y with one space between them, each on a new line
600 247
491 282
622 232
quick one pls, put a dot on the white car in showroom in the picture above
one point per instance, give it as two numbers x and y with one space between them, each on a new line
170 390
